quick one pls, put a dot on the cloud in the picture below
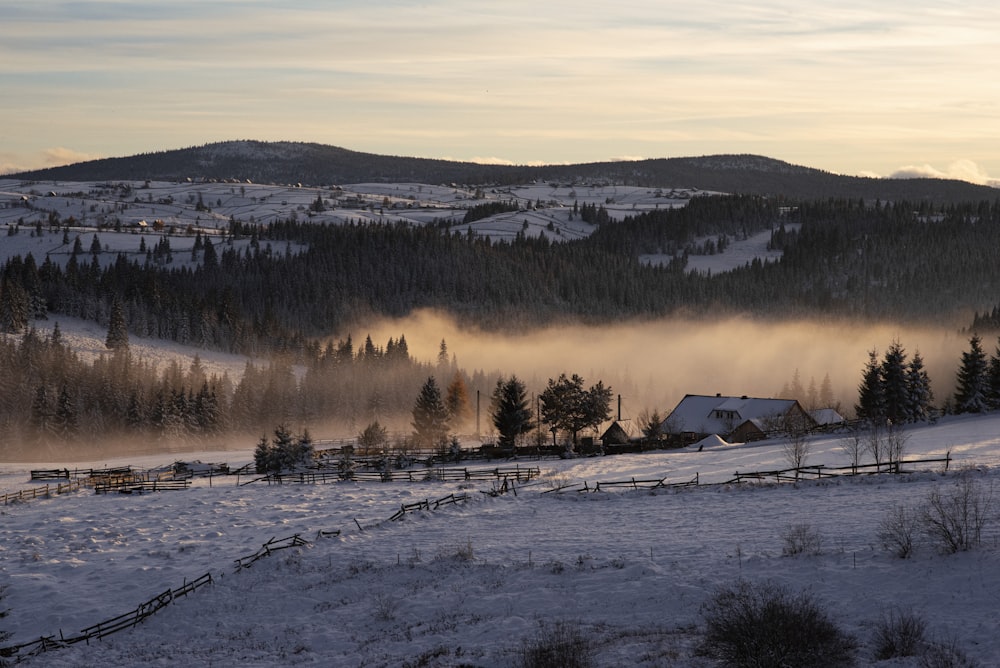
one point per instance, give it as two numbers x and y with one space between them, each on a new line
963 170
55 157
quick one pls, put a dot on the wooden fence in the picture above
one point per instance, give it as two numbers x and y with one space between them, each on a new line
632 483
42 491
269 548
106 627
821 471
427 505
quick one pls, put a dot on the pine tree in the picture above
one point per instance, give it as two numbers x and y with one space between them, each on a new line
511 412
826 393
457 400
117 338
972 390
66 421
894 384
871 401
993 380
430 416
918 389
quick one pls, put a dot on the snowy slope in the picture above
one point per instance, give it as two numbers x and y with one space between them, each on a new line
469 583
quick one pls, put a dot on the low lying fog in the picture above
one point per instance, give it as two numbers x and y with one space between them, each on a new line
654 364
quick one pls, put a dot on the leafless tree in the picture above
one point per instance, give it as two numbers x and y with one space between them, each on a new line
796 448
955 518
853 446
895 445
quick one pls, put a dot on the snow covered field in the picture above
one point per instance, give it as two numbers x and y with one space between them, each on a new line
468 584
135 207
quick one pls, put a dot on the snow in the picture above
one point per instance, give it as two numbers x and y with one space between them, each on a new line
469 583
136 206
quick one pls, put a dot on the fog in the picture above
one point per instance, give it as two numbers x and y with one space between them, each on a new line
654 364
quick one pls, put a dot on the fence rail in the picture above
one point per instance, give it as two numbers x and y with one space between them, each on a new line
42 491
106 627
821 471
268 548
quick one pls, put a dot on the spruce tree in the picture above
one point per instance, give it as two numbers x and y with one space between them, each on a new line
117 338
894 384
457 400
971 392
993 380
918 390
871 401
430 416
511 412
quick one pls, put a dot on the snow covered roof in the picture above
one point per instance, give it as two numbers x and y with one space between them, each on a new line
710 441
826 416
718 414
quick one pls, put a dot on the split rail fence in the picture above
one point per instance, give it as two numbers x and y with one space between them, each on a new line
106 627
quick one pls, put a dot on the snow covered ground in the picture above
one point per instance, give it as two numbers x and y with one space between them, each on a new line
468 584
178 209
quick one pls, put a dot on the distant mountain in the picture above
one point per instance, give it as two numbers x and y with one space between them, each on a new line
318 164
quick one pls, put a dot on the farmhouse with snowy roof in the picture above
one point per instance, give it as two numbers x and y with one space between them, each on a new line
736 419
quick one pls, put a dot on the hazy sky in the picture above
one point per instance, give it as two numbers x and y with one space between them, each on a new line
850 87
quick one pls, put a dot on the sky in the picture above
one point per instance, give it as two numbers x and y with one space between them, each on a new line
861 88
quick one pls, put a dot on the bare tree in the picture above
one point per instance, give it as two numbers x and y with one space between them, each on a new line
955 519
898 529
895 445
796 449
875 440
853 446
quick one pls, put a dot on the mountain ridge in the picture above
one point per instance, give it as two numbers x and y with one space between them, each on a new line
312 163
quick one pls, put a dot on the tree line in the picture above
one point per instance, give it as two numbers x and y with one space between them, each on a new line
51 397
841 259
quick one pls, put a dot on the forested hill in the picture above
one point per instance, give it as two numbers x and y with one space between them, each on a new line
841 259
317 164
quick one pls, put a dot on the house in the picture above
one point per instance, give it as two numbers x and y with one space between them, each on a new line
735 419
615 435
827 417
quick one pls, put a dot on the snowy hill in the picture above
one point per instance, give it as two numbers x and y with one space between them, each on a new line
125 211
472 583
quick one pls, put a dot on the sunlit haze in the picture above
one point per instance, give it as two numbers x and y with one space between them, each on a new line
887 88
654 364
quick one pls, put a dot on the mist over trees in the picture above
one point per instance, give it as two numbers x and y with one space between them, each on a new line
50 397
900 261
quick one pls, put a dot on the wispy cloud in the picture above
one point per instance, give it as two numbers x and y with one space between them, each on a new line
841 86
963 170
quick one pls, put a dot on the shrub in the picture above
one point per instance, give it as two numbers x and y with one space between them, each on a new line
898 529
955 519
899 633
765 625
557 645
945 655
801 539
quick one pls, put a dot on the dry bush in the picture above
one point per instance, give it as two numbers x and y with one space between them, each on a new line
801 539
898 529
751 626
954 519
557 645
899 633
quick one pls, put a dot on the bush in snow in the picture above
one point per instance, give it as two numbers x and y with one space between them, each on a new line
945 654
899 633
752 625
801 539
954 519
557 645
897 530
